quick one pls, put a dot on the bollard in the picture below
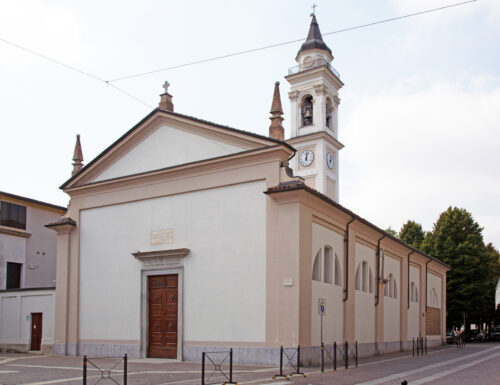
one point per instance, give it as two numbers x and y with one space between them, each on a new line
281 361
231 365
413 345
322 357
425 345
125 368
203 368
298 359
84 370
346 355
335 355
356 344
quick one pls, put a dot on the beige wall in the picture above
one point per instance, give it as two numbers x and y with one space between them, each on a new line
392 301
365 301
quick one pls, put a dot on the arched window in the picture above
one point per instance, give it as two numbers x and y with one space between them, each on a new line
357 284
338 273
395 290
386 289
412 292
327 266
416 293
317 267
434 298
364 269
370 283
329 113
307 110
391 284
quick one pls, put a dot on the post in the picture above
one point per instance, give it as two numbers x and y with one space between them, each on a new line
356 344
84 370
298 359
231 365
346 355
322 357
203 368
425 345
281 361
335 355
125 368
413 344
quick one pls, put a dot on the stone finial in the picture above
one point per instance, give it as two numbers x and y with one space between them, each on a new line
276 130
77 157
166 99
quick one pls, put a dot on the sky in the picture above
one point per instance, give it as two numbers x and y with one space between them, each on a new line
419 113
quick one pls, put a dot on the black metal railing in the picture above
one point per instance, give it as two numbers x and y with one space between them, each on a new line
220 365
289 360
106 374
419 345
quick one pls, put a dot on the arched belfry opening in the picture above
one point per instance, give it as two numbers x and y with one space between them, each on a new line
307 110
329 113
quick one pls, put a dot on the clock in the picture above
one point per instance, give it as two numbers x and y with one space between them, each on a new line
329 160
306 158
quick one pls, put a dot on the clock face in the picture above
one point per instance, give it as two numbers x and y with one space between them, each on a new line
329 160
306 158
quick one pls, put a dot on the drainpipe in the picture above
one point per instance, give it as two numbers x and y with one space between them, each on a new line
408 280
378 271
346 260
430 260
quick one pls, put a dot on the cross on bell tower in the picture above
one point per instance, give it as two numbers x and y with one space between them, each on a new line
314 99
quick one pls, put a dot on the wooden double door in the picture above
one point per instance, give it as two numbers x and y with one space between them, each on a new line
162 318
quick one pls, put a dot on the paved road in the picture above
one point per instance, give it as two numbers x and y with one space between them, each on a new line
474 364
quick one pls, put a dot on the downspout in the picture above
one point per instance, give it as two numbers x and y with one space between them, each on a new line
378 271
408 280
429 261
346 260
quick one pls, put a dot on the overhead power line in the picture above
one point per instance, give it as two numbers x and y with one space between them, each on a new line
109 82
238 53
73 68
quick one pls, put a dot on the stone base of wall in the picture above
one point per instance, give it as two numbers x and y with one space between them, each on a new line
25 348
98 350
241 354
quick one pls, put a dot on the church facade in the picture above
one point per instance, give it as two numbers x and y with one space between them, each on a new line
185 235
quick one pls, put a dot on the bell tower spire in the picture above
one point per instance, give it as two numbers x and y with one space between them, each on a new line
77 156
314 102
276 129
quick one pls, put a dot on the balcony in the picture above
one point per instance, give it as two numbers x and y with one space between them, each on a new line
318 62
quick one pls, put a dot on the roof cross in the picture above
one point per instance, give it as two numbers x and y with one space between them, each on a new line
314 9
166 85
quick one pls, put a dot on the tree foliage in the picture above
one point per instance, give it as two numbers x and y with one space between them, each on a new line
412 234
457 240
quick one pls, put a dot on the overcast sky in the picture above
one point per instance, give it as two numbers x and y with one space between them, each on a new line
419 113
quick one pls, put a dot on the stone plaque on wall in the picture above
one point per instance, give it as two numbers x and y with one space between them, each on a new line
162 237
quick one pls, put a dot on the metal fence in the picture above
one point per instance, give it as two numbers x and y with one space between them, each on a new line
219 365
419 345
289 362
339 352
109 375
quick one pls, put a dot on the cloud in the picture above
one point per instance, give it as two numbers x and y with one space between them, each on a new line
422 145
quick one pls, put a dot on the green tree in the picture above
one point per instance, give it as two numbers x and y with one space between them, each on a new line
391 231
457 240
412 234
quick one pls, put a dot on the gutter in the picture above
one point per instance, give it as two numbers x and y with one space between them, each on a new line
346 260
426 274
377 297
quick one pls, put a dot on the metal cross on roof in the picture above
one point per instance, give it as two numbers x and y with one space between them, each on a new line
314 8
165 86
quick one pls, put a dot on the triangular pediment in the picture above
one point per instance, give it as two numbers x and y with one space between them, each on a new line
163 140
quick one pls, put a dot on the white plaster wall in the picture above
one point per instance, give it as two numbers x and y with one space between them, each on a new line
15 317
41 248
167 146
414 311
12 249
224 274
333 321
392 305
365 301
433 282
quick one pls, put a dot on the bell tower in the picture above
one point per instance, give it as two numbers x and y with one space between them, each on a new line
314 86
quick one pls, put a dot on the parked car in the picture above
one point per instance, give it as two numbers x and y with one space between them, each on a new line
495 333
476 335
450 337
